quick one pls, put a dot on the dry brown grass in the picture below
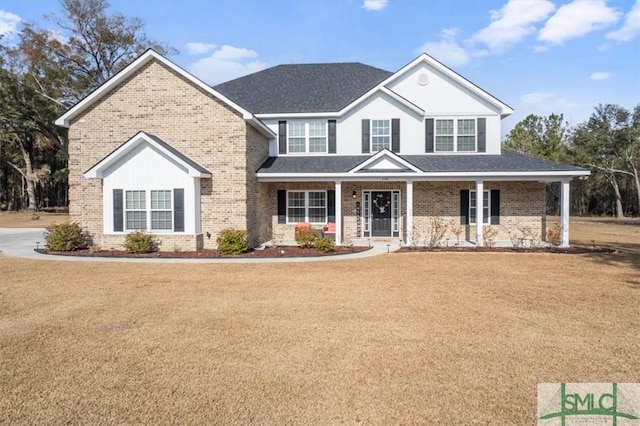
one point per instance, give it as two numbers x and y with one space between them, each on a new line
428 338
30 220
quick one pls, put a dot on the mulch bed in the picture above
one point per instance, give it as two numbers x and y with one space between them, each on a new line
560 250
269 252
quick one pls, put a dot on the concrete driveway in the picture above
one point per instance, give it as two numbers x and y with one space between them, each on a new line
21 242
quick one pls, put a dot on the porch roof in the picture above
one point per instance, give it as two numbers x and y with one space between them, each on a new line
508 161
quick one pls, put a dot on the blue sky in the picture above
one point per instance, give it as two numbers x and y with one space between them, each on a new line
538 56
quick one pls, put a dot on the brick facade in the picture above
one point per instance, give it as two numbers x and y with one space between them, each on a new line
161 102
522 208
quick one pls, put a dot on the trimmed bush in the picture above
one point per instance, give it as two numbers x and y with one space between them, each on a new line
324 244
67 236
305 236
140 242
232 241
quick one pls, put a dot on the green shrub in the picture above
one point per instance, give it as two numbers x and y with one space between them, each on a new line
232 241
305 236
324 244
66 237
140 242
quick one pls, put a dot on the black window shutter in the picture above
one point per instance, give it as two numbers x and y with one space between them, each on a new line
395 135
332 136
482 134
495 207
429 135
282 137
178 210
365 136
464 207
118 214
331 205
282 206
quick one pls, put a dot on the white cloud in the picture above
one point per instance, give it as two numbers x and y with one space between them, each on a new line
9 23
198 48
375 4
546 102
631 26
57 35
447 50
227 63
535 98
513 22
600 75
577 19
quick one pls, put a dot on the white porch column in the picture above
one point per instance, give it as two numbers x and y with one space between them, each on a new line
479 211
409 236
338 205
564 213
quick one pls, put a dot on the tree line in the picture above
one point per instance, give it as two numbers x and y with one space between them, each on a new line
45 72
608 144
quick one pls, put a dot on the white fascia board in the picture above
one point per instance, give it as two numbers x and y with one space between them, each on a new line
97 171
413 107
438 176
384 153
65 119
286 115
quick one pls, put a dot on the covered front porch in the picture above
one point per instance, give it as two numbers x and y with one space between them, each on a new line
410 211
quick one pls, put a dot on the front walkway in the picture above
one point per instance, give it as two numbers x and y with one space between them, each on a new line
21 242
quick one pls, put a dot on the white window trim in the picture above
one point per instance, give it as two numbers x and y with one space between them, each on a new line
371 136
147 210
455 134
486 220
306 206
307 136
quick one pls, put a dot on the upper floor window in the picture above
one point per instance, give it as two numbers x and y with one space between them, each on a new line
308 136
455 135
380 135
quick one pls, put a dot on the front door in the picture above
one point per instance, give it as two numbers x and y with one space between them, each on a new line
381 213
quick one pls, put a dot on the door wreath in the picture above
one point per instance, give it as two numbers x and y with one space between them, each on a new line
381 202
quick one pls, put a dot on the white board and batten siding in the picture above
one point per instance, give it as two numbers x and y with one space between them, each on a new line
145 168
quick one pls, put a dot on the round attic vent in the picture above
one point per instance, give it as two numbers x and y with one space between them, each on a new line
423 79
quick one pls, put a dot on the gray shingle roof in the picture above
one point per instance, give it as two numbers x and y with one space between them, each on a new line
303 87
508 161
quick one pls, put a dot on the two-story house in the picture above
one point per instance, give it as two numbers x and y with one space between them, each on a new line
369 153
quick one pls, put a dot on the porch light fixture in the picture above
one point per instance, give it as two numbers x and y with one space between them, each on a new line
354 194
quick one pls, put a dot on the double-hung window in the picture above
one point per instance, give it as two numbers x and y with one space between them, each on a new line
306 137
380 135
136 210
466 138
444 135
473 203
455 135
307 206
141 205
161 210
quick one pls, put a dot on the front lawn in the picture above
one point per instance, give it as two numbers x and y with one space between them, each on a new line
427 338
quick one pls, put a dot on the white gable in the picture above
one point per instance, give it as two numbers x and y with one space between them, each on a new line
147 144
440 93
385 160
